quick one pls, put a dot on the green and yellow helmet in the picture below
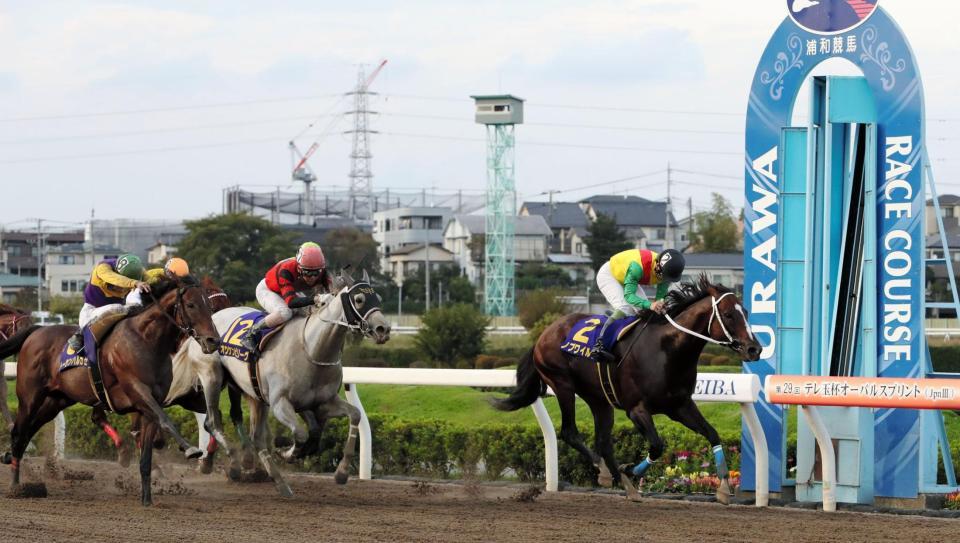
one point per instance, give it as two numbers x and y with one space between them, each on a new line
130 266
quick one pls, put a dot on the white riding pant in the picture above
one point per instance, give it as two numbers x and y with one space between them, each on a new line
613 290
273 304
89 313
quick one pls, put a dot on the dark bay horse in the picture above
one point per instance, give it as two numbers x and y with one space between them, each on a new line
12 320
656 374
192 399
135 363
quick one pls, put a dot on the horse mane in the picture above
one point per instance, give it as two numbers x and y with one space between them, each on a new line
4 309
163 286
687 294
208 283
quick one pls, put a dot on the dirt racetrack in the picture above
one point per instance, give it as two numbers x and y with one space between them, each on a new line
194 507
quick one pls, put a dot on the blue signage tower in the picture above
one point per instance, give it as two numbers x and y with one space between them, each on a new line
834 245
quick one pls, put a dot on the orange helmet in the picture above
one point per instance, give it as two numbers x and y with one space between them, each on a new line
177 267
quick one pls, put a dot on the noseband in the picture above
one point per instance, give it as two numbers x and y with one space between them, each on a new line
180 313
715 302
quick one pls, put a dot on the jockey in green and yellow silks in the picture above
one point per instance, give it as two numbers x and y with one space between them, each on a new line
620 281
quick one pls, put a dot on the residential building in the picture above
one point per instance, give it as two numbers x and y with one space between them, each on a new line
402 228
644 221
410 258
160 253
68 267
464 237
567 222
12 284
720 268
18 249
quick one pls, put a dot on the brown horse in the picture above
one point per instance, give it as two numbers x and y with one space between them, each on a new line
12 320
194 401
656 374
135 364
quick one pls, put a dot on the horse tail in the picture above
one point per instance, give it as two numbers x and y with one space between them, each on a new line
529 387
13 345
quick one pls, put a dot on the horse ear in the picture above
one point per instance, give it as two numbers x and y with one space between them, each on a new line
366 276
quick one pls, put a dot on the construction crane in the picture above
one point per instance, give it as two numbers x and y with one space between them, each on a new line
301 167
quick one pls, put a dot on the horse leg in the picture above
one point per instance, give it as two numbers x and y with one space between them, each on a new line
7 416
211 380
236 416
603 443
643 420
340 408
568 424
287 415
207 441
149 430
258 424
31 416
315 426
99 418
149 406
690 416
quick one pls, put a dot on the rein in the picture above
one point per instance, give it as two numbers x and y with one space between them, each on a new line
716 313
359 324
178 311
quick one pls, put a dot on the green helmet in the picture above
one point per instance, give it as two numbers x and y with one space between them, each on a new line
129 266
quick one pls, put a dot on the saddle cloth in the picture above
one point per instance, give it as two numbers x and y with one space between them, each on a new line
583 335
231 342
99 330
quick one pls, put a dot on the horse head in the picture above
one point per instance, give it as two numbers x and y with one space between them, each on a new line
191 312
217 299
728 323
361 306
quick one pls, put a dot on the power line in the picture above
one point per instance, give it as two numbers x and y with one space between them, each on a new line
166 109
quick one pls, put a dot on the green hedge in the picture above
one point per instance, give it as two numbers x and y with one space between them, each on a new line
946 358
422 448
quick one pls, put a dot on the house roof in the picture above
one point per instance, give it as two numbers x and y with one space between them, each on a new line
559 214
631 210
54 237
714 260
525 225
946 200
414 247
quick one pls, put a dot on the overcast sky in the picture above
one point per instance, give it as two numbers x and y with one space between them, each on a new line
150 109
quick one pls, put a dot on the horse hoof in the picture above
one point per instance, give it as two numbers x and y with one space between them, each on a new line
7 458
723 492
284 489
234 474
123 456
27 490
282 442
341 477
193 453
206 465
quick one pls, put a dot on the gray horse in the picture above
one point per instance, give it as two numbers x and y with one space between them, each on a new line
299 371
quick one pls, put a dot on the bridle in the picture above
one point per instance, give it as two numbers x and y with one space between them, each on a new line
180 312
13 325
715 303
354 320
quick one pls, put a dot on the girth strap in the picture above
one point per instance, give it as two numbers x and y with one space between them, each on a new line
606 384
253 368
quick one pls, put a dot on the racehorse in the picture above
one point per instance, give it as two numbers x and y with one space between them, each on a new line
185 393
656 374
135 366
12 320
299 370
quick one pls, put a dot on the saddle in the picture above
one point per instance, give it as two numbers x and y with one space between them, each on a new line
231 344
583 335
96 332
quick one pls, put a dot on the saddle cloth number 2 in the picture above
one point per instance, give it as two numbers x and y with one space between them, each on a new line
588 326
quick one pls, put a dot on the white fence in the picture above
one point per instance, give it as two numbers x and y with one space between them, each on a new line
711 387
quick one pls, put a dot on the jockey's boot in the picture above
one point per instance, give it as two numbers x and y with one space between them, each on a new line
75 343
599 353
251 341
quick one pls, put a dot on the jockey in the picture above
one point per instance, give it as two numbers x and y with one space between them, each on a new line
620 279
279 291
115 286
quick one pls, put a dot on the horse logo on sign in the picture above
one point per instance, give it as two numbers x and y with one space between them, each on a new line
830 16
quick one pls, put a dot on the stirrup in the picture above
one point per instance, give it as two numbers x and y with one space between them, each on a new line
601 354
